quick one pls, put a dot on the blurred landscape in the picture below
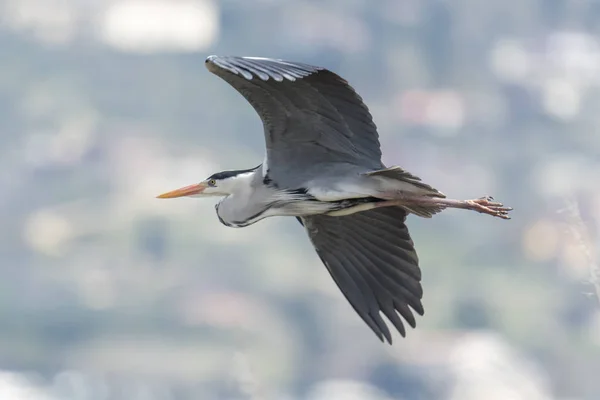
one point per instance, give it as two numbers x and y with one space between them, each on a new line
108 293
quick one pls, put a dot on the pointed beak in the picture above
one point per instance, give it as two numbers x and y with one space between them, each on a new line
184 191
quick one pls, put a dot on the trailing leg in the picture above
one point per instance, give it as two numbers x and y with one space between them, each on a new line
484 205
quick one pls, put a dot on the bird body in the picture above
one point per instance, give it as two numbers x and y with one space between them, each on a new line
254 196
323 166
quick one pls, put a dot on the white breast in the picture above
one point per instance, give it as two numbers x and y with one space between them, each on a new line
340 191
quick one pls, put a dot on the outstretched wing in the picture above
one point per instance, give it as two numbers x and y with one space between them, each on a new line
311 116
372 259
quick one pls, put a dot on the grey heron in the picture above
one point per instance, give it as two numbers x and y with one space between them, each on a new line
323 166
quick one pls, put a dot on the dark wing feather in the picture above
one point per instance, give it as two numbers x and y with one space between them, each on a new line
372 259
310 115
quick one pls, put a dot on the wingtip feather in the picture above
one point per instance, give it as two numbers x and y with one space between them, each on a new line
263 68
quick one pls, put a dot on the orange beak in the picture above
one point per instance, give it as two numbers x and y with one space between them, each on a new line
184 191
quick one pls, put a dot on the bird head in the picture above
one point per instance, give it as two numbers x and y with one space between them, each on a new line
219 184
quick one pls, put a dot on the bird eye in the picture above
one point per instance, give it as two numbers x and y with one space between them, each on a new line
212 182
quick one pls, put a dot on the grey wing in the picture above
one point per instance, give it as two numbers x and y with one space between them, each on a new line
312 118
372 259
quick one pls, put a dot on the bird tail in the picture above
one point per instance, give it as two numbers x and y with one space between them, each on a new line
398 174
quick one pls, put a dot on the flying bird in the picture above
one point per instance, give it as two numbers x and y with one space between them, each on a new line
323 167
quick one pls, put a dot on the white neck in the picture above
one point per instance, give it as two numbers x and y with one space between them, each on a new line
242 200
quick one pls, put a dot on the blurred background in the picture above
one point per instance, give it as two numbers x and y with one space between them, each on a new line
107 293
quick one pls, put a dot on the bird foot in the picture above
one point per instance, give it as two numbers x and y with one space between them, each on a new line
487 205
